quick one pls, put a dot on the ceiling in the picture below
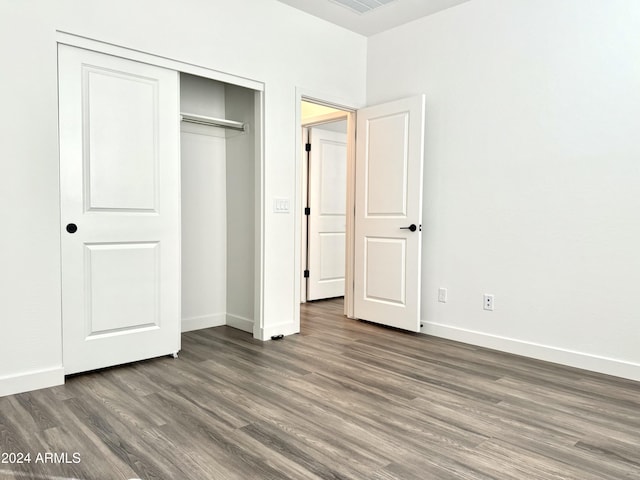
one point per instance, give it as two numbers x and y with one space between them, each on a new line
368 17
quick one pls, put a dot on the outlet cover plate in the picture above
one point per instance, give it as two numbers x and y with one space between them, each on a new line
442 295
487 301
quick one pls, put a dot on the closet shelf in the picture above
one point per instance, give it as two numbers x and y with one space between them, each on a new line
213 122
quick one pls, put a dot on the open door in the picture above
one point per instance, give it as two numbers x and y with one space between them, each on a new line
327 213
388 219
120 209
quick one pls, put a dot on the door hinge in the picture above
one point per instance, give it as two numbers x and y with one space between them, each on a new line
307 211
307 147
306 274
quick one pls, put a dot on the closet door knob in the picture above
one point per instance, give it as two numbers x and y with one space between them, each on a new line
72 228
411 227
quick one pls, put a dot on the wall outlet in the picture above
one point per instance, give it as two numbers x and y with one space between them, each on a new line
487 302
442 295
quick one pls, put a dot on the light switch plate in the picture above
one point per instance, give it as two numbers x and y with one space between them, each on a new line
280 205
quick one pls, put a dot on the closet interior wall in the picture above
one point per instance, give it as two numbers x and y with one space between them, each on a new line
218 207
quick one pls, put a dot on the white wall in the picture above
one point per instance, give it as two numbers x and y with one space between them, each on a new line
241 235
259 39
204 206
531 175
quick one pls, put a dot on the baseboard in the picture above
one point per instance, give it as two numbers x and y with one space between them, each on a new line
585 361
241 323
27 382
203 321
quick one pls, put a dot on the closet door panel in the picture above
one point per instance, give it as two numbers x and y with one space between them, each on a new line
120 209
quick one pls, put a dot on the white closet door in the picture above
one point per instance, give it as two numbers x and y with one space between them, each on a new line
120 209
327 218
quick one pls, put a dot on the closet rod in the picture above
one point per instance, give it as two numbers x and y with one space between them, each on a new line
213 122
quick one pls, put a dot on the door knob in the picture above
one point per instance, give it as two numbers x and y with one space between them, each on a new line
72 228
411 227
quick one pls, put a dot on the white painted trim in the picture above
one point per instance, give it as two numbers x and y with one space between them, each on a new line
35 380
203 321
571 358
160 61
288 328
297 215
324 99
258 298
303 219
349 274
241 323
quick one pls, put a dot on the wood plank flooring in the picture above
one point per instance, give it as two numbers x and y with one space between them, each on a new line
342 400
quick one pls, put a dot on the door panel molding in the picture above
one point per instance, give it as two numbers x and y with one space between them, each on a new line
112 103
386 187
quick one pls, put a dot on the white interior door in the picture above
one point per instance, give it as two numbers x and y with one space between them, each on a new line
389 162
120 209
327 216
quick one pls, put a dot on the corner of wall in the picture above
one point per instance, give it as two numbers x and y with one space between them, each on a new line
203 321
241 323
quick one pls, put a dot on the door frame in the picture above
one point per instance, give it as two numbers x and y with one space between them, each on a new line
306 179
350 111
258 87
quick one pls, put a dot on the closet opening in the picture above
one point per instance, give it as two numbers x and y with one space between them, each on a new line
219 138
160 202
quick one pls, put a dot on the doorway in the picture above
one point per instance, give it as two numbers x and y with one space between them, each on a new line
326 169
324 186
383 214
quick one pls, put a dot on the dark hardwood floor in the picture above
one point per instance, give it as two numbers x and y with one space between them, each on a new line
342 400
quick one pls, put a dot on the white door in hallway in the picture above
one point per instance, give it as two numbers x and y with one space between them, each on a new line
120 209
327 216
388 218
